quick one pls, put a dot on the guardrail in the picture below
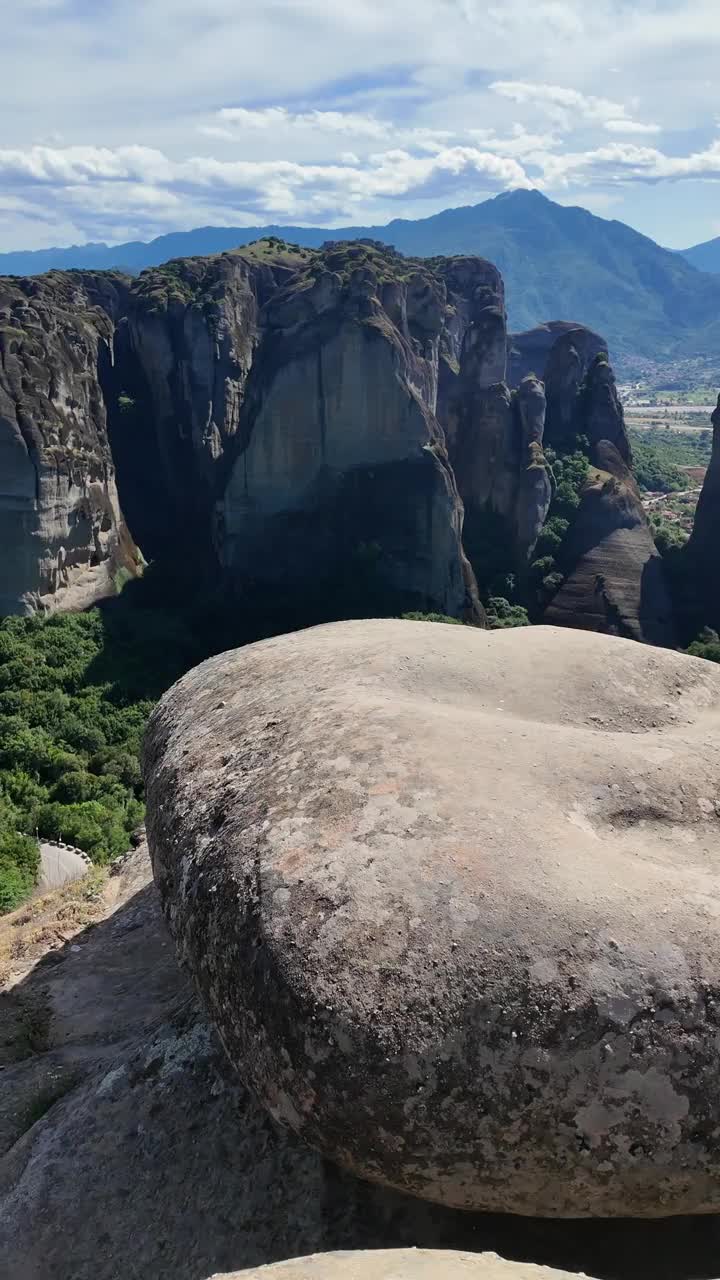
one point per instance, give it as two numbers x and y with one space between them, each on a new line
70 848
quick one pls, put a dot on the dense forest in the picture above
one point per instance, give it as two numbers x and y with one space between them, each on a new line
75 694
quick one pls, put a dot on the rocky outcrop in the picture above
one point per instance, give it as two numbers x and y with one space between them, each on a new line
341 486
323 434
62 532
614 577
449 901
702 556
129 1147
401 1264
494 437
530 352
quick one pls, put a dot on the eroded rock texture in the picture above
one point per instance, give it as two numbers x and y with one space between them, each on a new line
324 434
450 900
615 581
401 1264
62 533
529 352
703 554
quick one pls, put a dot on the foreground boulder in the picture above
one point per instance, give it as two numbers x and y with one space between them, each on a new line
401 1264
130 1148
450 898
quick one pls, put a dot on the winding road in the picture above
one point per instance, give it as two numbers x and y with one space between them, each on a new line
60 865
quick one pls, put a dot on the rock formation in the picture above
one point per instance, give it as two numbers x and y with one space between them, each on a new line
61 529
450 901
322 433
614 579
614 576
401 1264
494 437
703 558
529 352
342 476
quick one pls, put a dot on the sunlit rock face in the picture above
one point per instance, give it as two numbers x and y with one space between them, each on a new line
62 533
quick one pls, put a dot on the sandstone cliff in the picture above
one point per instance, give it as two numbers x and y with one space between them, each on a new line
340 487
325 433
529 352
703 558
614 580
62 533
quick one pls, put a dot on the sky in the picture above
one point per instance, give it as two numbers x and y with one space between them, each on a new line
126 119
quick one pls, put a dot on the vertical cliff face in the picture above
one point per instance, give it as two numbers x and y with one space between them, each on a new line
494 436
341 482
189 340
327 433
703 552
62 533
614 580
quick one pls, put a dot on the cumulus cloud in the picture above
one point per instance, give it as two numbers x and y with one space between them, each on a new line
365 107
559 103
233 120
144 179
630 126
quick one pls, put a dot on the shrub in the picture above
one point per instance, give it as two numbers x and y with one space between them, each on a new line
431 617
501 614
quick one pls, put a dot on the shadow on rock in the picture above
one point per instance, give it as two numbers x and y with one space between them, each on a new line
132 1150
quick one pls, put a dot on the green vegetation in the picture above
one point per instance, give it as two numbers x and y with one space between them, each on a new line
667 534
501 614
706 646
431 617
570 473
75 694
659 453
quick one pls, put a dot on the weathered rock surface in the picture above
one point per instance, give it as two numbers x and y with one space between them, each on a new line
530 352
703 558
324 433
401 1264
494 436
128 1146
62 533
342 478
451 899
615 580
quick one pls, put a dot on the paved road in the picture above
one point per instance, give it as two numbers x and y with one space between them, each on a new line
58 867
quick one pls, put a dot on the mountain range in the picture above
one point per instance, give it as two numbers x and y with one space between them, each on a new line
705 256
557 261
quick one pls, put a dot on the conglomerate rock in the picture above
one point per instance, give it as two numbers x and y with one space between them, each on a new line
450 898
62 533
400 1264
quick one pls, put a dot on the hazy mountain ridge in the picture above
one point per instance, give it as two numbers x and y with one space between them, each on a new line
705 256
557 261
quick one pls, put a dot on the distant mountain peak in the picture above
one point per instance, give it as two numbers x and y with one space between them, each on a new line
559 262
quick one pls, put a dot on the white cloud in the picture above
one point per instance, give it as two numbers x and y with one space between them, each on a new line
474 95
559 103
144 181
631 126
349 123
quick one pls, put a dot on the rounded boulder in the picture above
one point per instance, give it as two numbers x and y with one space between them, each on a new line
400 1264
451 898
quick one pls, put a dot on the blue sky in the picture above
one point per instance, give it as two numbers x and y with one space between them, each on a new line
124 119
